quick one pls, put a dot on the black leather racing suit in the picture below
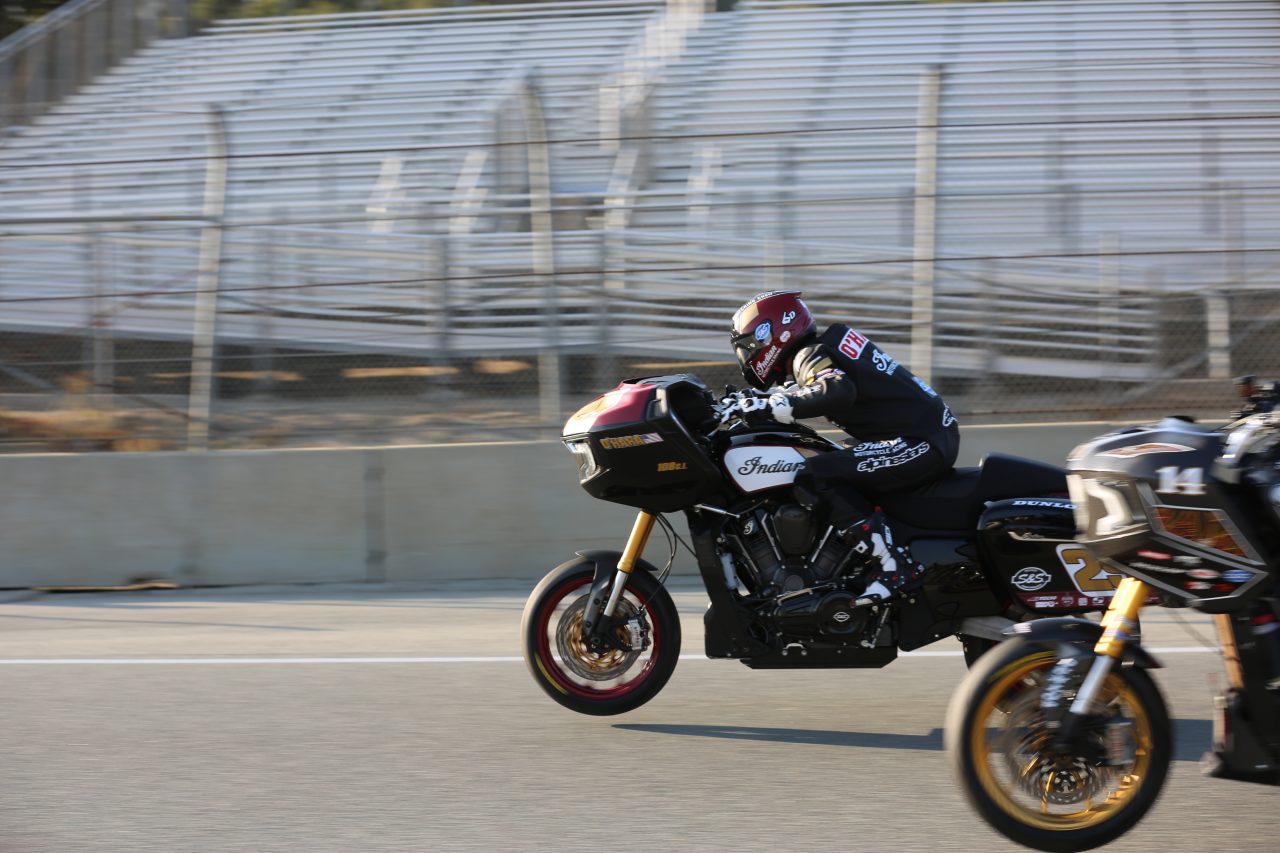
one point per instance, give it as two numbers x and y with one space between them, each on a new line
904 434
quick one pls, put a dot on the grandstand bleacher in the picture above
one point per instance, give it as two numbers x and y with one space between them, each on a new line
367 200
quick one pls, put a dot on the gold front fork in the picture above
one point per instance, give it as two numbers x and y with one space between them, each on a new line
635 547
635 544
1121 619
1119 624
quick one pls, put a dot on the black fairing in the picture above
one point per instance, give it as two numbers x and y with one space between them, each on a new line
1029 545
662 474
1193 537
660 460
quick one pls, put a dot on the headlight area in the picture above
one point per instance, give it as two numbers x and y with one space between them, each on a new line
581 450
1106 507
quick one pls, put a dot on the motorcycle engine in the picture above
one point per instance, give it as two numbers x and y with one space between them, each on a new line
782 546
821 612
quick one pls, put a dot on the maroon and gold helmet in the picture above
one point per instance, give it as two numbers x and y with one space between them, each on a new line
767 331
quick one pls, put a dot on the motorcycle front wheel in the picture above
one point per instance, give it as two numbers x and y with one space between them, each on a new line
1001 752
612 681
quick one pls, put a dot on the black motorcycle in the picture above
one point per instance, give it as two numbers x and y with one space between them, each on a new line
601 634
1059 735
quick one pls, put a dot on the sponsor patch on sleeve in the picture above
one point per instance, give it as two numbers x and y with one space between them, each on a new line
852 344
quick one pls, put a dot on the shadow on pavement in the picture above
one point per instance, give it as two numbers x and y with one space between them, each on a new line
873 740
1191 737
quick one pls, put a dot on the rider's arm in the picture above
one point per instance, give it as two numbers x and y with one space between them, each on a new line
822 389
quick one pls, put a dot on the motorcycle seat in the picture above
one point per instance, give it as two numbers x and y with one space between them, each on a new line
955 501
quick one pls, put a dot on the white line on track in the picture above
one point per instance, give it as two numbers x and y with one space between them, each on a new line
249 660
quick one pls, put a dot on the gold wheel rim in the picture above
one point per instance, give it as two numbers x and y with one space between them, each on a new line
1096 810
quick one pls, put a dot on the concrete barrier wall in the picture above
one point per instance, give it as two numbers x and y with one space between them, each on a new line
511 510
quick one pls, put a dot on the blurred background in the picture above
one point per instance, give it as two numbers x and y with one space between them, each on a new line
275 224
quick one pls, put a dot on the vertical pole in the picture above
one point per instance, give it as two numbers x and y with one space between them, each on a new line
605 369
127 19
786 177
1218 331
37 79
987 301
82 184
148 21
926 234
263 359
1109 297
1151 285
1217 301
543 233
63 70
208 274
786 214
438 315
8 89
103 349
179 24
95 34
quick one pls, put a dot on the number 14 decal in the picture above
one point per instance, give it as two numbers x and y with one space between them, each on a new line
1181 481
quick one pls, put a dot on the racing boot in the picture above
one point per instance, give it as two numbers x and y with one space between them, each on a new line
890 569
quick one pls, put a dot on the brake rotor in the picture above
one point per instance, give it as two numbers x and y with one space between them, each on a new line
1063 780
577 656
1066 782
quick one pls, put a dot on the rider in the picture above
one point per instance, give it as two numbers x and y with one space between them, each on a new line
904 434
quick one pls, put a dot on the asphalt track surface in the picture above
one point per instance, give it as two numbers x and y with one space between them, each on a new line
394 718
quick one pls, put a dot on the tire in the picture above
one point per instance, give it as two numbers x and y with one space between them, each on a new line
581 680
999 701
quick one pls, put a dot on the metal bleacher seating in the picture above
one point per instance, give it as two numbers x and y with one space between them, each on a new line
1067 128
347 134
782 151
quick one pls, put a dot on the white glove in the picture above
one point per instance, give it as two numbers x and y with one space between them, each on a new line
741 403
780 408
777 405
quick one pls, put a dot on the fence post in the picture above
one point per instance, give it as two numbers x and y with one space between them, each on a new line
1218 299
66 66
1109 288
542 228
1152 285
148 14
926 234
208 275
988 337
8 90
95 28
605 367
439 316
263 356
104 378
37 79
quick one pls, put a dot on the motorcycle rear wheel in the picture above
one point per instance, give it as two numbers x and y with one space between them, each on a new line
1064 803
612 682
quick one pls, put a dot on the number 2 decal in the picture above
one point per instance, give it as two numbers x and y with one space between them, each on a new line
1181 481
1089 576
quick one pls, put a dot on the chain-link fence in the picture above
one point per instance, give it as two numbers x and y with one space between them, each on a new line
217 271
